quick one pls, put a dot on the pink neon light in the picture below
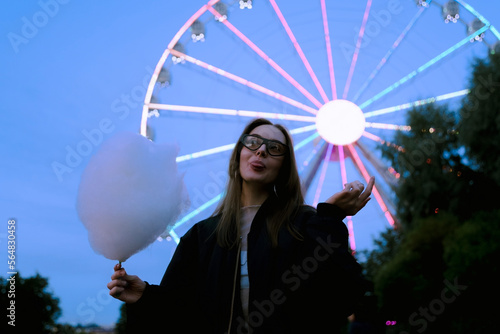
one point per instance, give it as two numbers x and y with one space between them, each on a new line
232 112
375 192
343 174
299 50
323 174
244 81
329 50
372 136
268 59
358 46
350 229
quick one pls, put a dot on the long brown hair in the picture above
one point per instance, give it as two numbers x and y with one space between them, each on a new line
287 187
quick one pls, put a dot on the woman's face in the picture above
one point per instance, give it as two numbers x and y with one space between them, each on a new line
258 166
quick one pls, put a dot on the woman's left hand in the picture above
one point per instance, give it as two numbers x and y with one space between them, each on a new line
354 196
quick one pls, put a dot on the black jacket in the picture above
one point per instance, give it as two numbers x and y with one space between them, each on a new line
301 286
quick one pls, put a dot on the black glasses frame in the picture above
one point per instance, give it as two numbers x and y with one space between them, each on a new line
264 141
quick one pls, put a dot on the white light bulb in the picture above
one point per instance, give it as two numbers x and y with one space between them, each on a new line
340 122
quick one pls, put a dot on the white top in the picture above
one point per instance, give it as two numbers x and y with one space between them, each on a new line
247 215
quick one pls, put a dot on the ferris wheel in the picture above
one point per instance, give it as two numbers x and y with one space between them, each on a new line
339 75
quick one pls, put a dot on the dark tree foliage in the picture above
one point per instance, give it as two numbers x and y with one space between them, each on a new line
36 309
121 325
437 273
414 277
429 163
471 255
479 129
386 247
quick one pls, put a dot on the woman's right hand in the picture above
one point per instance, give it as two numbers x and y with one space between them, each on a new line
127 288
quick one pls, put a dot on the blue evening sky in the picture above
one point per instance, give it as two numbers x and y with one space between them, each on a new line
70 68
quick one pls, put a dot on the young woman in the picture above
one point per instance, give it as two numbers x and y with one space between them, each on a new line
263 262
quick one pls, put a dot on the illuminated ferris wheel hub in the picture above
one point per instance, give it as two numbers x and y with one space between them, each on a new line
340 122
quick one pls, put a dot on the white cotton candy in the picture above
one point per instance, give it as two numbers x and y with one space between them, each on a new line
129 194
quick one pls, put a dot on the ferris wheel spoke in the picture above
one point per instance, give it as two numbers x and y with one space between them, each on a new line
417 103
305 141
205 153
389 53
352 238
264 56
197 211
299 50
424 67
310 165
376 138
358 47
362 169
322 176
244 81
389 175
343 175
388 126
232 112
328 50
303 129
313 154
373 137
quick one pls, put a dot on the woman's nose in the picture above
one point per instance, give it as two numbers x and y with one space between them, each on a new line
262 150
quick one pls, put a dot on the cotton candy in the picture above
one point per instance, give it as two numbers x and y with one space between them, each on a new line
129 194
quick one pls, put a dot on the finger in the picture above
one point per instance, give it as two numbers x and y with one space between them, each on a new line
117 283
360 186
355 185
365 202
116 292
368 191
371 183
120 274
356 189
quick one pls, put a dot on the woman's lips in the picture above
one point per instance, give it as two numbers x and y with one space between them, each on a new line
257 166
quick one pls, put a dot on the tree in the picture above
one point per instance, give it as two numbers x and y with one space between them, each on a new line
36 309
414 277
429 163
386 247
471 254
479 128
121 325
439 273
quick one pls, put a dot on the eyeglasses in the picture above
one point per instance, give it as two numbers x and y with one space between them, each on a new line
273 147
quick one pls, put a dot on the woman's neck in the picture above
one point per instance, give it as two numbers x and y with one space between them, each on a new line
253 195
